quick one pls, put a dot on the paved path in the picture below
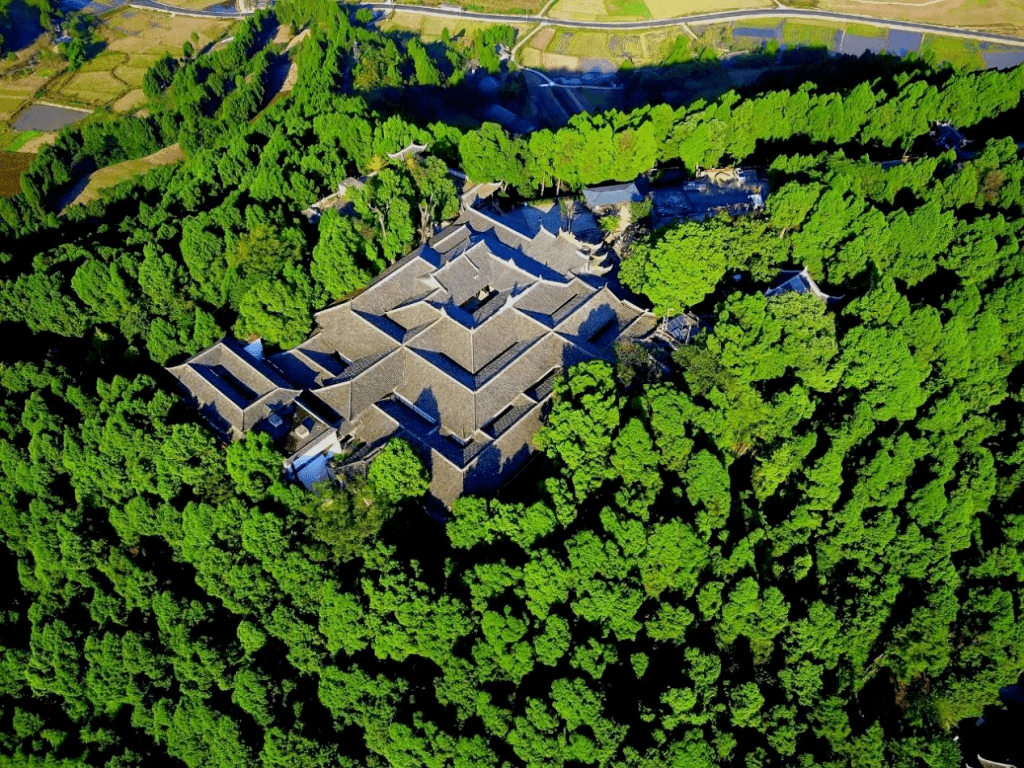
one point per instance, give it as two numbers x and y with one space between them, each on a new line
703 18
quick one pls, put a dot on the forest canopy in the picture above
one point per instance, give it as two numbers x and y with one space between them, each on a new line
796 541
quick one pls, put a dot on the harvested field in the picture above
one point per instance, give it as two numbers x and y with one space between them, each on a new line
590 44
760 23
557 61
152 34
9 105
525 7
542 39
562 43
14 92
12 165
953 50
135 40
430 28
580 10
44 117
623 46
531 57
131 75
94 88
1000 16
811 35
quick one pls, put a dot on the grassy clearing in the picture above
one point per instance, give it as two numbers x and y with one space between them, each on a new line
627 9
590 44
21 139
960 53
36 144
867 30
430 28
757 23
524 7
667 9
9 105
566 48
810 35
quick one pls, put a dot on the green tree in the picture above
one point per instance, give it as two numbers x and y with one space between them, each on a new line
678 268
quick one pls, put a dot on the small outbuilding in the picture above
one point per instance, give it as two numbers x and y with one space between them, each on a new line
608 195
799 281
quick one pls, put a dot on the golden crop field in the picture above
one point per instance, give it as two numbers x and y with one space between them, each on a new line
999 16
92 88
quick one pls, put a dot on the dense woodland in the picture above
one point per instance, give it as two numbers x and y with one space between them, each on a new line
796 542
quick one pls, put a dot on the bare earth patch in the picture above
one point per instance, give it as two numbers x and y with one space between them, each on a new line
542 39
291 79
296 40
129 101
32 146
12 165
113 175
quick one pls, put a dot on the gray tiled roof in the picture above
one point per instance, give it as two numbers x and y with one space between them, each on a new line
799 281
456 346
233 388
612 194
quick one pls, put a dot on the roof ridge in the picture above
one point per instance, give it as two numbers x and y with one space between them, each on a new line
249 360
381 356
216 389
498 223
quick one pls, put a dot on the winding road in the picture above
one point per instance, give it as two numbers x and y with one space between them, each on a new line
703 18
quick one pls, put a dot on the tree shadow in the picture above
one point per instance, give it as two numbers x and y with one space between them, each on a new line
551 97
22 27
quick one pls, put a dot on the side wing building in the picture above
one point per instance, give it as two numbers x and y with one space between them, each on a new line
455 348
